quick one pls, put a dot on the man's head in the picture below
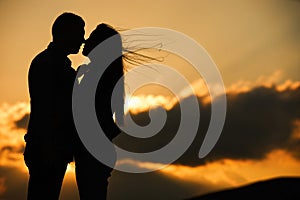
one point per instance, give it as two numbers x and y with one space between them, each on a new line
68 32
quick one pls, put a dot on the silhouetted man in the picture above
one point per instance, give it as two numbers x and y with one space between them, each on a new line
51 132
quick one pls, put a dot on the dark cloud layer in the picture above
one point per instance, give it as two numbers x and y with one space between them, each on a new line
257 122
12 149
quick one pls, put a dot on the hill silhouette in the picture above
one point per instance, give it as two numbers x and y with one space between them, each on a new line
286 188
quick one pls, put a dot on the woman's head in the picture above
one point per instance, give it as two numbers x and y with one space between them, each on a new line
101 33
113 73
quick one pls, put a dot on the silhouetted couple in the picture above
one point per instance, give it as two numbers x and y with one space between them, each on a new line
51 140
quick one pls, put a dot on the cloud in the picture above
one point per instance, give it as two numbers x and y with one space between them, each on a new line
267 81
142 103
23 122
293 145
260 140
258 121
13 171
12 131
274 80
14 182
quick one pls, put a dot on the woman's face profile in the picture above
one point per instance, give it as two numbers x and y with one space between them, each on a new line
97 36
90 43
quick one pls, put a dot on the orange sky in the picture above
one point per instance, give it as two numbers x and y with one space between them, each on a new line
246 39
254 43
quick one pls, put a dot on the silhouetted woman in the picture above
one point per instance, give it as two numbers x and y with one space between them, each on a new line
91 175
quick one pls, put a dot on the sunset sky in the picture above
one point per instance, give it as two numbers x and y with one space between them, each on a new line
254 43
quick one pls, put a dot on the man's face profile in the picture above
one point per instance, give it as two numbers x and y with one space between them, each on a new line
76 39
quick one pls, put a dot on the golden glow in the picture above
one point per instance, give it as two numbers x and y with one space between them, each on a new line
238 172
288 84
228 172
11 137
141 103
274 80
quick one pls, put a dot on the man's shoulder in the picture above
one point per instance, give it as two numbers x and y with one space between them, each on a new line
42 58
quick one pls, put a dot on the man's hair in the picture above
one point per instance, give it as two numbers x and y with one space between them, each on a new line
65 23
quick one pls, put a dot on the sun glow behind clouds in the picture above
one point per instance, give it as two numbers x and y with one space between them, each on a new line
141 103
239 172
11 136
